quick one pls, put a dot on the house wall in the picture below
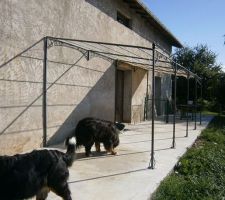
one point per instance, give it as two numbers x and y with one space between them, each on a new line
127 96
166 93
85 87
135 88
139 89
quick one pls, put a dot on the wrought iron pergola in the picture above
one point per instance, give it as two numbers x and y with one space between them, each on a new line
154 59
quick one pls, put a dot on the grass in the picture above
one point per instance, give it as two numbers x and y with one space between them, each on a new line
206 112
200 173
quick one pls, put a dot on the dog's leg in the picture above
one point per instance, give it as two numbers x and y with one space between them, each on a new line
97 146
112 151
87 150
42 194
62 191
109 148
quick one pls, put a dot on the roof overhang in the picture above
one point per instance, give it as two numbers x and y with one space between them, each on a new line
125 65
145 13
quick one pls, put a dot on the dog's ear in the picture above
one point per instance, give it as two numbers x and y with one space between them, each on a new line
119 126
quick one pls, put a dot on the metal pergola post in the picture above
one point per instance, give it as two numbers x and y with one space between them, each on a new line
195 104
152 161
187 113
167 111
174 105
146 99
200 120
44 99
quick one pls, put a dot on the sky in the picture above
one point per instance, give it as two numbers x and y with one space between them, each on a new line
194 22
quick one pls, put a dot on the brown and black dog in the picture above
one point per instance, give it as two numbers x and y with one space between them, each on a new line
31 174
92 130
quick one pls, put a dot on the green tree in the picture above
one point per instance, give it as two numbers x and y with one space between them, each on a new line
202 61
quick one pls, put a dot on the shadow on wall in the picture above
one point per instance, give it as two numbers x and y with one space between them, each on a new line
98 102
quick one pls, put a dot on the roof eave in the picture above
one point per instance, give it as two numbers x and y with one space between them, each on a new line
141 9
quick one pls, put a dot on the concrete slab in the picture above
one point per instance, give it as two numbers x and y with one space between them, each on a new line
126 176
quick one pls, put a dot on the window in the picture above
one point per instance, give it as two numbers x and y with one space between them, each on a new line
124 20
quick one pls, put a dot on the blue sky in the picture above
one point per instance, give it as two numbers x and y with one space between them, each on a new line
194 22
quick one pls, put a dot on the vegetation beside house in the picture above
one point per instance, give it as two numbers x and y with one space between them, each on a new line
200 173
202 61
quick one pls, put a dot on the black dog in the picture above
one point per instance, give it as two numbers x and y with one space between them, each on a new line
93 130
36 173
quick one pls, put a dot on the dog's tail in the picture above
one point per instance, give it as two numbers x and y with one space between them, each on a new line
70 153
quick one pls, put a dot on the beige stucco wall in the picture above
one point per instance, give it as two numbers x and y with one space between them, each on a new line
89 86
139 89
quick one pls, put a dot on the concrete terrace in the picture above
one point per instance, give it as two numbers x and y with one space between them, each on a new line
126 176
